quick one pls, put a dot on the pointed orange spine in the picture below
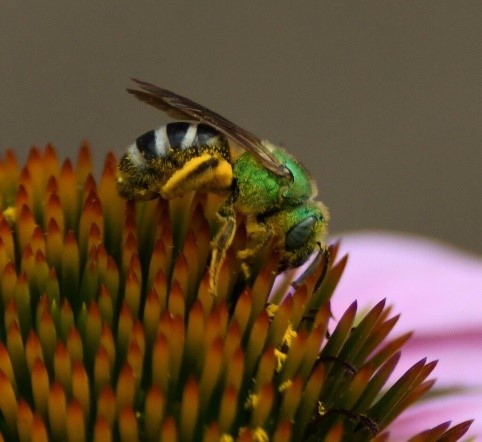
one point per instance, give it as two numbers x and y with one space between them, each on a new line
126 388
93 330
283 432
80 387
243 310
6 367
189 410
256 341
132 296
66 319
135 359
7 238
158 262
63 367
266 369
235 369
84 163
106 406
33 349
102 431
181 275
40 387
8 402
11 314
39 431
126 321
169 430
24 421
227 409
48 337
128 425
54 242
75 423
291 400
211 372
152 313
106 307
51 166
16 351
68 195
57 411
153 413
160 364
176 300
74 346
70 266
176 348
263 405
8 282
107 341
102 370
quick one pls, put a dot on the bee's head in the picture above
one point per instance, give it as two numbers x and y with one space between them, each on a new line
300 230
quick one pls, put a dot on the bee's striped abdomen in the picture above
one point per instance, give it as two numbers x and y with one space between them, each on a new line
174 137
181 154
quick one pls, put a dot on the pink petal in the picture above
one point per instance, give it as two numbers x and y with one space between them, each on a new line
438 291
430 413
436 288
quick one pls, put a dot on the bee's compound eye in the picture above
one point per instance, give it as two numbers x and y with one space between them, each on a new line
298 235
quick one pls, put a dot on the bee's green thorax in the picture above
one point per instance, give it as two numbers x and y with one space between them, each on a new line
261 191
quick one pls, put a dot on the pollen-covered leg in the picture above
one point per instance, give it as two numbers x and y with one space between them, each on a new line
259 236
205 172
221 243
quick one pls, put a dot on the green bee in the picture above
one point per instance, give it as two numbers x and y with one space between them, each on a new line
262 182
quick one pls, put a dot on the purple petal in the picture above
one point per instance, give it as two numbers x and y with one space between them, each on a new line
430 413
438 291
435 287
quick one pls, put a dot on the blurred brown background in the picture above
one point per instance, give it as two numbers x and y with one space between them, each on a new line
381 100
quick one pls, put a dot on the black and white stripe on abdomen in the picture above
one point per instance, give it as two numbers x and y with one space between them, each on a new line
172 136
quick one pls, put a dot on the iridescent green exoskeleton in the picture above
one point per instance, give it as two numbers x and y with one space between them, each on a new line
264 183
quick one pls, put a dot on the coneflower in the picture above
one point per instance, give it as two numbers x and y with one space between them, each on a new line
109 331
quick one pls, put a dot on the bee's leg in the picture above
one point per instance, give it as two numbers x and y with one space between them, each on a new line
204 172
259 235
221 243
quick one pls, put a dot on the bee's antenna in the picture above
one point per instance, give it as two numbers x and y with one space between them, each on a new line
322 253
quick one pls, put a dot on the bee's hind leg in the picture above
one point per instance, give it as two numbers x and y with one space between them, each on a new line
221 242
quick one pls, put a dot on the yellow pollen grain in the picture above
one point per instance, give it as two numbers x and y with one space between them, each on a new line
10 214
281 357
285 385
321 409
259 435
226 438
251 402
289 335
271 309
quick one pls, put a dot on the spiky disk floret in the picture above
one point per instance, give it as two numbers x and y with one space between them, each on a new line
108 330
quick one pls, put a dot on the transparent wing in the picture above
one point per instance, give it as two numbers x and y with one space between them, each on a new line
179 107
